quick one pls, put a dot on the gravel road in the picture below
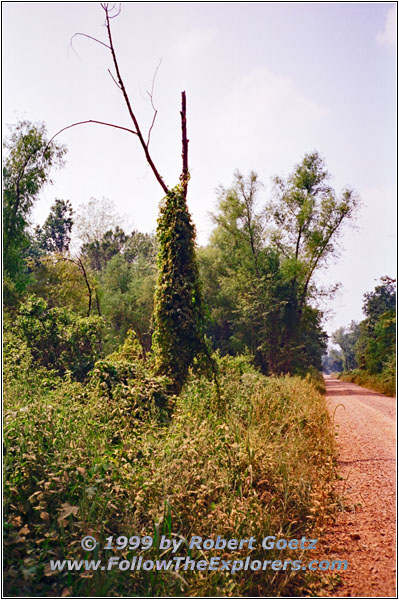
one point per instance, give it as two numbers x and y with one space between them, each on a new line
364 534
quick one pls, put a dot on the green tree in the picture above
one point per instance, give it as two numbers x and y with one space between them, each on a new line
100 251
252 309
377 342
55 235
29 158
127 299
58 338
308 217
332 361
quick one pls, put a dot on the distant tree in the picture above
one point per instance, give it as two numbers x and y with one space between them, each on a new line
100 251
55 235
28 160
94 218
141 248
332 362
346 339
253 305
381 300
127 299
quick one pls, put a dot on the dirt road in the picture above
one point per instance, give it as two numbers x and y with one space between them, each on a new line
364 534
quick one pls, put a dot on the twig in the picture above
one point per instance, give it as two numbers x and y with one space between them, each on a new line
90 38
151 96
113 79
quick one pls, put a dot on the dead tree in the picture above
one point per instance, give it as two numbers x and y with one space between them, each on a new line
178 315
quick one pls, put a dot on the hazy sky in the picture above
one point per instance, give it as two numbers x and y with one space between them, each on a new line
265 82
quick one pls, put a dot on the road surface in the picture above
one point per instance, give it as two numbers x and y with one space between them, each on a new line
364 534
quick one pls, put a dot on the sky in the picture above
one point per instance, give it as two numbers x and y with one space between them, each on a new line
266 83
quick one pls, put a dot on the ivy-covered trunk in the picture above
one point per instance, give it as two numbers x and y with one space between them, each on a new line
178 313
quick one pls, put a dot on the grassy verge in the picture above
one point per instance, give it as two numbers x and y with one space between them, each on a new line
87 460
384 383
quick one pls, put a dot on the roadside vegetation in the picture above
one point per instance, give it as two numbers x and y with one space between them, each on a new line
367 354
102 458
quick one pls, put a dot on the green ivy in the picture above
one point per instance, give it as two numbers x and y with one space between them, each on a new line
179 312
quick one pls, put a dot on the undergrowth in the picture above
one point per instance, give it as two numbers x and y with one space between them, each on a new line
384 382
115 456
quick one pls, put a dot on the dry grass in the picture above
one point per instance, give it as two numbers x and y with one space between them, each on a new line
259 463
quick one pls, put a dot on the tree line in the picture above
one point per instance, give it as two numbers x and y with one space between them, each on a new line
255 277
368 346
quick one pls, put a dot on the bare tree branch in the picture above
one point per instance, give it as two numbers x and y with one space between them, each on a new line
185 174
107 10
78 262
90 38
91 121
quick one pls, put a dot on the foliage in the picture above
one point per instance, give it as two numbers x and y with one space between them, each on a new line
384 382
58 280
55 235
252 287
100 251
29 158
346 339
376 344
308 217
127 298
80 460
332 361
178 312
58 338
377 340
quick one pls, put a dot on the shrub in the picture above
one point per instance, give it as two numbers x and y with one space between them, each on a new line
58 338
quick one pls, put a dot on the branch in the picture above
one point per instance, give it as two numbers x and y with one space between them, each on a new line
78 262
184 174
91 121
90 38
114 80
127 101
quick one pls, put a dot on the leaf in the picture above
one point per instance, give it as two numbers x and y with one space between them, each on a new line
24 530
16 521
67 510
45 516
65 592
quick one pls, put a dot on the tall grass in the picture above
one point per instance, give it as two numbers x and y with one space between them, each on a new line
257 461
384 382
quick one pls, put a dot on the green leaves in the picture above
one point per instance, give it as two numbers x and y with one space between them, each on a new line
178 314
58 338
28 161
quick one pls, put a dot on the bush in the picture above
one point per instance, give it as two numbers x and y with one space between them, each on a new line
125 375
58 338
